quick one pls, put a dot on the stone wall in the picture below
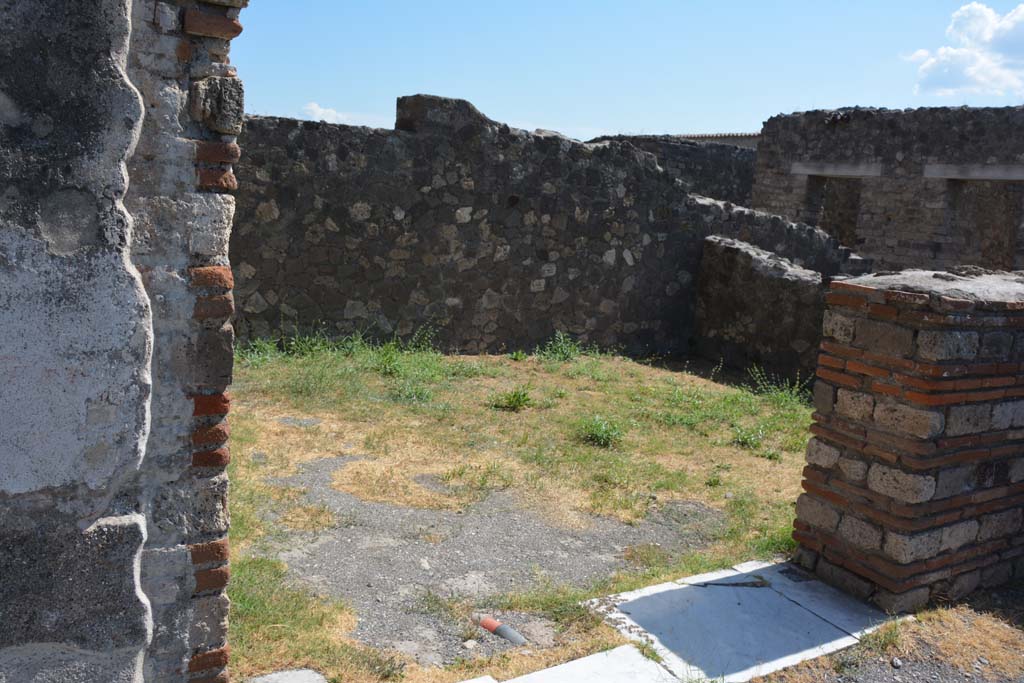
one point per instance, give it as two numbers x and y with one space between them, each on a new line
928 188
116 344
496 236
756 307
748 140
710 169
915 476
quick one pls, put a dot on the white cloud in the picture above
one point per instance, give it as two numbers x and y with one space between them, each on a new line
986 57
319 113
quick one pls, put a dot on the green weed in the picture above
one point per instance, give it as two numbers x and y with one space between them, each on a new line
560 348
513 401
599 431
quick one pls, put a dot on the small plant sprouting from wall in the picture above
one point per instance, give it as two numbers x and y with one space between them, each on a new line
560 348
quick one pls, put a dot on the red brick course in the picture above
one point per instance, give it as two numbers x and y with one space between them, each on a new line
214 659
209 580
219 458
213 404
200 23
216 551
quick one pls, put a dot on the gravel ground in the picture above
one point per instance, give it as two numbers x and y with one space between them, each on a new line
923 667
381 561
923 664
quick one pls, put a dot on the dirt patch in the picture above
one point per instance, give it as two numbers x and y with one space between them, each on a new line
402 568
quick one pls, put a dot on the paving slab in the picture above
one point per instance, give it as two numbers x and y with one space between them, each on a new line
622 665
293 676
738 623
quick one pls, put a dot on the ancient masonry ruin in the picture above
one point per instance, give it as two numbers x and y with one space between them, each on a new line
115 334
925 188
915 476
116 308
498 237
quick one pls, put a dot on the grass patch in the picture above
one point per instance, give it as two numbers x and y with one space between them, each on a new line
600 431
275 627
609 436
514 400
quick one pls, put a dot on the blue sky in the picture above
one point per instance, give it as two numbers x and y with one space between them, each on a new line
632 66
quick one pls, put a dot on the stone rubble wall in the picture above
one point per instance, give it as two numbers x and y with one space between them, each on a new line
899 217
494 236
710 169
914 487
181 180
756 307
747 140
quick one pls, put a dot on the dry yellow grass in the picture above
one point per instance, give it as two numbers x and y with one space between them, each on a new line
957 635
960 634
429 420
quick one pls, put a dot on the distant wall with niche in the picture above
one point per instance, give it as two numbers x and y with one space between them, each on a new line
928 188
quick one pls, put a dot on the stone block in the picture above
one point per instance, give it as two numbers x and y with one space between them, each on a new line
824 397
855 405
822 454
816 513
882 337
219 103
962 585
212 357
859 533
958 535
209 622
900 485
838 326
969 419
853 469
996 346
934 345
905 420
954 481
806 558
1008 414
1000 524
902 603
907 548
1016 472
843 579
997 574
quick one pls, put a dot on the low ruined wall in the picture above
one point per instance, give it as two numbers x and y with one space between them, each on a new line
495 236
747 140
914 489
754 307
927 188
712 169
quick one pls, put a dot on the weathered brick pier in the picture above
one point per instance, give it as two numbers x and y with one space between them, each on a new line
914 487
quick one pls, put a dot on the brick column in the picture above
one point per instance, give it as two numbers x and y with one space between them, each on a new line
180 196
914 485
